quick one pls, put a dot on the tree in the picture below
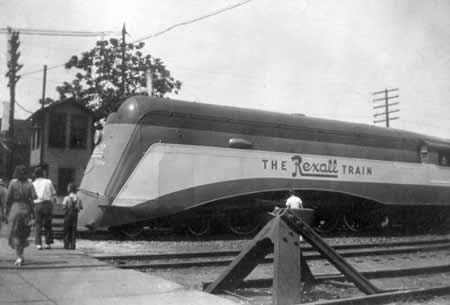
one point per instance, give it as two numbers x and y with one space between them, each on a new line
98 81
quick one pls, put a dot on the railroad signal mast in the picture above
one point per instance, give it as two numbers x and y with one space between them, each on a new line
385 96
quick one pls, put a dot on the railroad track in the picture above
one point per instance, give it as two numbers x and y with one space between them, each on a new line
375 274
223 258
176 266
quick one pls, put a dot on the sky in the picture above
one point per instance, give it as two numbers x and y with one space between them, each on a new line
321 58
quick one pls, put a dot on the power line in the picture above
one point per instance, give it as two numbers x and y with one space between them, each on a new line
63 33
197 19
39 78
23 108
40 70
103 33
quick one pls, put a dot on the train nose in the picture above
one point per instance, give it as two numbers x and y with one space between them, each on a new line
91 216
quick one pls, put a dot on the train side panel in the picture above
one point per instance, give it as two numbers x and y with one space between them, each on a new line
172 178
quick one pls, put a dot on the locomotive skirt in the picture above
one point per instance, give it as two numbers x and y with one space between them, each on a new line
19 228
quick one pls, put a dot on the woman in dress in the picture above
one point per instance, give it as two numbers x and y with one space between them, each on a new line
20 198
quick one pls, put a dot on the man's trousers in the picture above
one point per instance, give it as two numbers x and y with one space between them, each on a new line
43 213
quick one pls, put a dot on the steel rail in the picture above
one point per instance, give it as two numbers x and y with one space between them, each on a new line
374 274
387 297
161 256
308 256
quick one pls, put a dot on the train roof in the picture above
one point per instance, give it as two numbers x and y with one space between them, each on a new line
135 108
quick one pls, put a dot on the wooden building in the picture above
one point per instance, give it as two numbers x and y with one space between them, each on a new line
20 148
62 141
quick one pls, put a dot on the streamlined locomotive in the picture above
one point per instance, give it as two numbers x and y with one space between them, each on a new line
193 164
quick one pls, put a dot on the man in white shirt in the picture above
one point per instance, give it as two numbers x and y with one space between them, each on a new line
43 206
294 202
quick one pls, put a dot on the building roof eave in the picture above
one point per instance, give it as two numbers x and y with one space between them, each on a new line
71 101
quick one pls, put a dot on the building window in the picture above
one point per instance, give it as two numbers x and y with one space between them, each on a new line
38 137
78 131
33 139
65 176
57 131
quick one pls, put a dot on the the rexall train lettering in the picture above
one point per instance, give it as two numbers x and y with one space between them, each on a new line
309 167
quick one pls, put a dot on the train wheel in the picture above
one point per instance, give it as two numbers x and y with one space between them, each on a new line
199 227
243 224
354 220
326 221
132 230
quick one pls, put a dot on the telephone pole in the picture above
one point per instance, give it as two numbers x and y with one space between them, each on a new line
41 134
13 78
385 96
13 67
124 32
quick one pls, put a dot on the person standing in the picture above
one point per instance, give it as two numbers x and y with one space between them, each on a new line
19 204
3 196
43 207
294 202
72 205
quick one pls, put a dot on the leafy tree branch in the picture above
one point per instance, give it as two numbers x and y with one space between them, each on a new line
98 80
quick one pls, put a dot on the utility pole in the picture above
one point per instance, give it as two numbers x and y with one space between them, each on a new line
149 79
124 32
384 96
13 78
41 134
13 67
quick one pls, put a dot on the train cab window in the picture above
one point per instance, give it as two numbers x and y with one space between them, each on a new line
444 158
423 154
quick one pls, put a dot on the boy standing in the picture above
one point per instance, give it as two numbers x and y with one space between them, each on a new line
72 206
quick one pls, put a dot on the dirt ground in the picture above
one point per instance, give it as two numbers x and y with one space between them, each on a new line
262 296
